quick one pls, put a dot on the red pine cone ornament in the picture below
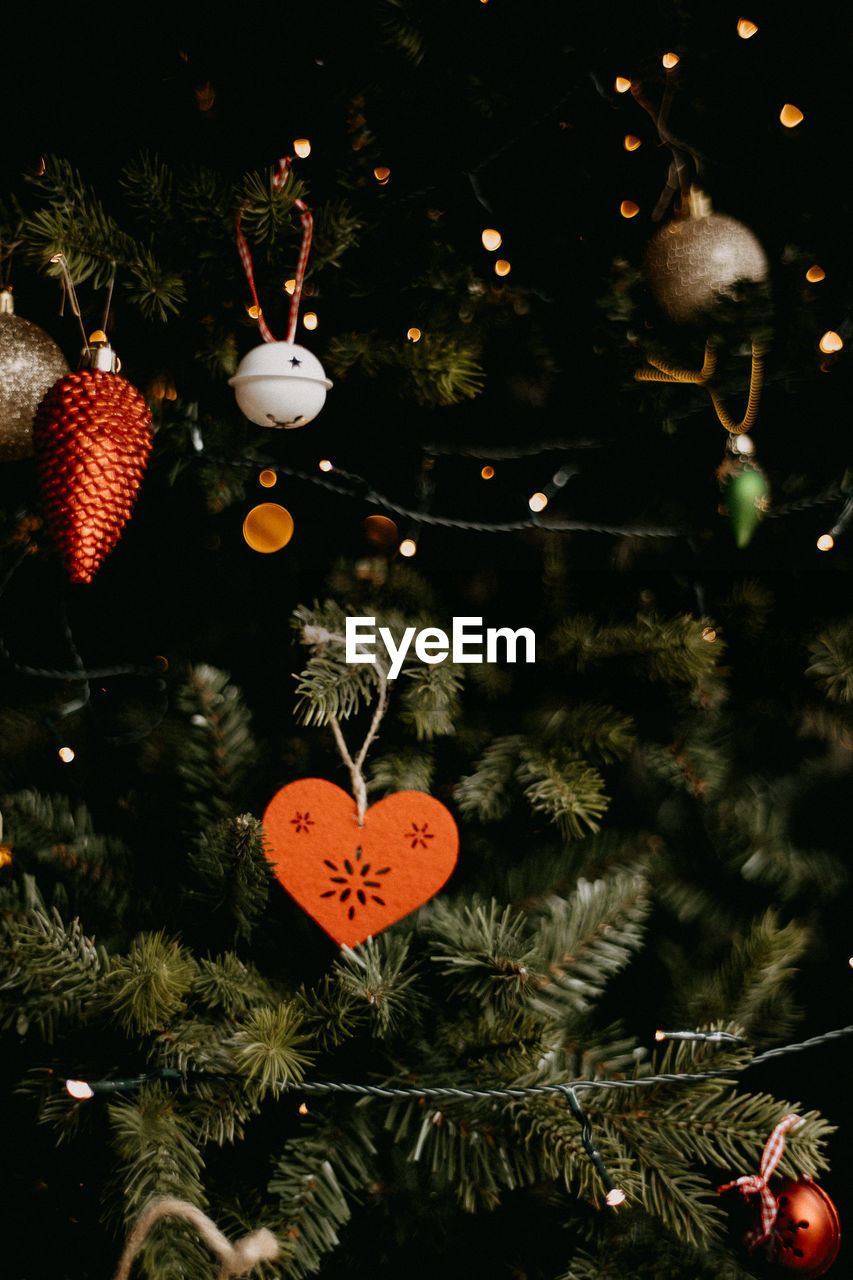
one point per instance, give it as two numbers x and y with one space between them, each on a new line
92 438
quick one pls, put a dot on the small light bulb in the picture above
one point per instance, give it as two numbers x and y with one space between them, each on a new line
413 334
628 209
745 28
487 473
660 1035
815 274
537 502
302 147
267 478
502 267
831 341
621 85
825 542
254 311
79 1089
616 1196
631 142
325 465
743 444
98 336
709 634
790 115
303 1108
290 286
408 547
491 238
670 60
310 320
66 755
382 173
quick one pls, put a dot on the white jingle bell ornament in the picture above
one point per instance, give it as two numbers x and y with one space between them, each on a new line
280 384
693 260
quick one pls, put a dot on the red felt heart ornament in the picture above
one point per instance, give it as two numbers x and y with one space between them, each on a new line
355 881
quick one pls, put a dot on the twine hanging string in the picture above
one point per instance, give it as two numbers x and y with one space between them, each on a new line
279 179
756 1183
317 636
237 1259
659 371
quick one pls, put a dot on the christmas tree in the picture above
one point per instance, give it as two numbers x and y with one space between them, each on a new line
426 647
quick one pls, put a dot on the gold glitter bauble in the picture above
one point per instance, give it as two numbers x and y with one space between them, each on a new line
692 260
30 363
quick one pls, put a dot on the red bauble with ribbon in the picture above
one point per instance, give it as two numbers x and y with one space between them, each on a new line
798 1224
807 1231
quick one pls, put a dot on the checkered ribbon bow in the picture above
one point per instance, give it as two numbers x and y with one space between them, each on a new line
752 1183
279 179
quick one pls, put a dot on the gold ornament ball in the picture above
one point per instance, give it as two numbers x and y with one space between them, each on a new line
30 363
692 260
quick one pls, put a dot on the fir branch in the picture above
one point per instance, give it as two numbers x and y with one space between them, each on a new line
594 730
266 209
430 699
377 972
230 863
157 291
54 971
219 746
486 793
486 949
405 769
585 939
831 665
229 984
267 1046
159 1158
566 788
316 1180
752 989
150 985
148 185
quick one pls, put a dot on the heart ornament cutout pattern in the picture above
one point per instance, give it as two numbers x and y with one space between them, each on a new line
355 881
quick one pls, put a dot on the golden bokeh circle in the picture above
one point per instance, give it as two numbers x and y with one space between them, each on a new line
268 527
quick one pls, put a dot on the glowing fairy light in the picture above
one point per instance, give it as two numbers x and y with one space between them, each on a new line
631 142
267 478
66 754
502 267
815 274
414 334
615 1196
302 147
790 115
710 635
629 209
825 542
408 547
537 502
487 472
303 1108
325 465
670 60
745 28
290 286
621 84
491 239
79 1089
382 173
310 320
831 341
254 311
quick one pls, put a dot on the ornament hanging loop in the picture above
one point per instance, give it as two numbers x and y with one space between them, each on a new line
237 1259
279 180
660 371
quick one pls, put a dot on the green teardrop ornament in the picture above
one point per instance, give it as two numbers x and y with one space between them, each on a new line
745 497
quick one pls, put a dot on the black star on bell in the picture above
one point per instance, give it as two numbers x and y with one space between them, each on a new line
295 361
